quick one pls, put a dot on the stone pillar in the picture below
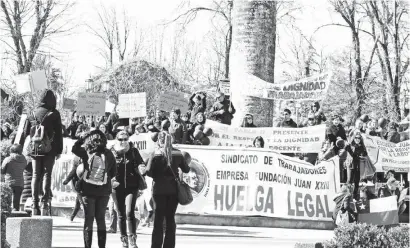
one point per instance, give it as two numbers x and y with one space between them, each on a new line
33 232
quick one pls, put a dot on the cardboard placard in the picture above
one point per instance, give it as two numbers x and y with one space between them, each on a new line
132 105
69 104
91 104
171 99
31 81
23 119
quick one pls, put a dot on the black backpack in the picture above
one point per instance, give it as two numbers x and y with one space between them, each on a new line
40 142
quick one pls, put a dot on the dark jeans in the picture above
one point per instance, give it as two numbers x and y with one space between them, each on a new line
17 190
94 207
353 177
125 200
76 206
42 169
165 208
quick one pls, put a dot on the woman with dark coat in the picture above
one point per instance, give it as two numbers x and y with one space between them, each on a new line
163 166
95 166
130 182
197 104
358 151
317 113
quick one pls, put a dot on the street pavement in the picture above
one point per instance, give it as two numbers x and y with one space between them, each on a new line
69 234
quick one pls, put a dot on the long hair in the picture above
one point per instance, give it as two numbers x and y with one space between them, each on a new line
164 146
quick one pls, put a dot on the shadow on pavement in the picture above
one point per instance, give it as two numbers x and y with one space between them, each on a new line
216 230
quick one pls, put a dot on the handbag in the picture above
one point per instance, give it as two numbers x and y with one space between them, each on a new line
342 219
184 193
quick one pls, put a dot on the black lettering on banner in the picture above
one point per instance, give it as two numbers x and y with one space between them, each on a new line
301 205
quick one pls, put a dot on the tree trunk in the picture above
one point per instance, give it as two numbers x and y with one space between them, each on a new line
358 75
253 52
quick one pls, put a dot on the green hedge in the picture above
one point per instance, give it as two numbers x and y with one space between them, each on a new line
6 199
369 236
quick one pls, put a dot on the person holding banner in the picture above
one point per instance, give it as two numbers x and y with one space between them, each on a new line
222 111
248 121
130 182
163 167
287 121
96 169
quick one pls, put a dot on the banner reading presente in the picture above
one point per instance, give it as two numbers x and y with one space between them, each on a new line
283 140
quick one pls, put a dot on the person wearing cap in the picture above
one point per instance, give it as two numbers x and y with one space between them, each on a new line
177 128
391 188
96 169
357 151
223 110
343 200
197 104
128 160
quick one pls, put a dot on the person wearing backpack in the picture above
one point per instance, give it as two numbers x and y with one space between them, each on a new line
44 128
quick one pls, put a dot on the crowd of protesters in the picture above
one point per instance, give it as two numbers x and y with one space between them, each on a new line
101 175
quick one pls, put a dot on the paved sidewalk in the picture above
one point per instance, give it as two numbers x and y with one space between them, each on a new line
69 234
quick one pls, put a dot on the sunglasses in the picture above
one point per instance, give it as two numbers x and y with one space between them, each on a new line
357 138
285 114
310 119
125 139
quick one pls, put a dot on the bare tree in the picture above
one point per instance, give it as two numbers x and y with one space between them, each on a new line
46 14
387 20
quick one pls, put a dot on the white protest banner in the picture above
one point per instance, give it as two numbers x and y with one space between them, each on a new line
243 182
91 104
20 128
283 140
69 104
132 105
109 107
232 181
225 87
385 155
39 80
311 88
170 99
23 83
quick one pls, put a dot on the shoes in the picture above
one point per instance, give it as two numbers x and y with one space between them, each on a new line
45 209
132 238
72 218
35 208
110 230
124 240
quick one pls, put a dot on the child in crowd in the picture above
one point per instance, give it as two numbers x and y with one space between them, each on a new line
13 167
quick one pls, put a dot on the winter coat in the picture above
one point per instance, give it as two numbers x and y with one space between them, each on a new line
13 167
224 118
81 157
356 151
154 124
164 180
72 129
52 123
289 124
333 132
393 136
194 109
179 131
128 175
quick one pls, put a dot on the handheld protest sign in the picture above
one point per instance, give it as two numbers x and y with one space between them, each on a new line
169 100
132 105
91 103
